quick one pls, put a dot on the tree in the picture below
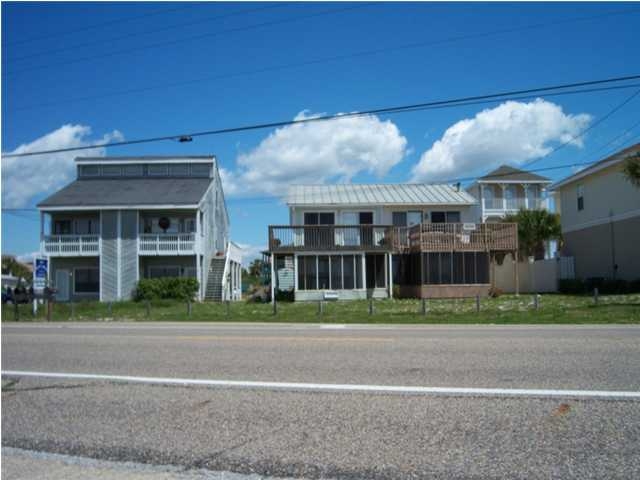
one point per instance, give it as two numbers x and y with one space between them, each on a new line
535 228
256 267
631 169
10 265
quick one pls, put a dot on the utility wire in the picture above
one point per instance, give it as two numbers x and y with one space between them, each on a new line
317 61
384 110
147 32
586 130
117 21
192 38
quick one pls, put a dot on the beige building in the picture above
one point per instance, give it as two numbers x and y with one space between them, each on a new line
600 214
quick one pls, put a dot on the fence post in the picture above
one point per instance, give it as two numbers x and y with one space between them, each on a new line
536 302
109 307
424 306
16 311
477 303
228 307
371 306
49 306
595 295
188 308
148 308
275 305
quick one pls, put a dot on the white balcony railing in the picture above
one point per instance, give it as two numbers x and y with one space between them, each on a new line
167 244
71 245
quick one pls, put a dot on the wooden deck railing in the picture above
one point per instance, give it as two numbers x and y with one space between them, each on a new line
436 237
71 245
287 238
427 237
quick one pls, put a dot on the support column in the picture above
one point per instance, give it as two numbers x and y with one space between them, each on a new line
482 203
273 278
390 274
199 276
504 197
525 188
515 272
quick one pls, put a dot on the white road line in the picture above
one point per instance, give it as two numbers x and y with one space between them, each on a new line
330 387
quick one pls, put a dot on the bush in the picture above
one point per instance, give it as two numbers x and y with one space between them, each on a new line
167 288
285 295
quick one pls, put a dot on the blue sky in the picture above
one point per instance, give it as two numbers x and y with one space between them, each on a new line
57 55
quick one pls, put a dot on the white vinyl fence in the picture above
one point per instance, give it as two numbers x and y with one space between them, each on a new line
540 276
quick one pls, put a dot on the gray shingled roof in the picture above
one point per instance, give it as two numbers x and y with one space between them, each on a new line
507 173
129 191
378 194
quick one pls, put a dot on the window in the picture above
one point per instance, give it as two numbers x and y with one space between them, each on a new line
511 196
200 170
438 217
375 264
323 272
111 170
336 272
445 217
457 268
188 225
366 218
157 170
86 280
532 197
580 192
87 226
179 170
90 170
349 271
399 219
319 218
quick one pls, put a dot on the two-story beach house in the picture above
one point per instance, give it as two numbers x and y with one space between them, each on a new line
506 190
360 241
600 216
127 218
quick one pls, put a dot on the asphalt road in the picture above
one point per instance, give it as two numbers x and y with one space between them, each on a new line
316 434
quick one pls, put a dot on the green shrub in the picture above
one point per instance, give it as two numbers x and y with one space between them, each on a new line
571 286
167 288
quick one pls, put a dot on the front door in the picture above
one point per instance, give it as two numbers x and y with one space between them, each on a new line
62 285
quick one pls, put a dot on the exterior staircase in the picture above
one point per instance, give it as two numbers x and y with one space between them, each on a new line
214 280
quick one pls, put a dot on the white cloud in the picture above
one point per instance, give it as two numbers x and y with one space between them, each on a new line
317 152
25 177
512 132
27 257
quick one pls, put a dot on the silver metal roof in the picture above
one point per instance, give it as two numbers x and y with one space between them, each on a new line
378 194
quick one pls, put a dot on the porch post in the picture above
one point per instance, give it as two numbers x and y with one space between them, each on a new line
273 278
525 188
390 274
515 272
41 231
482 204
504 197
199 276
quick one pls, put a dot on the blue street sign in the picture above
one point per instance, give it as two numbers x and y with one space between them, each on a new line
40 269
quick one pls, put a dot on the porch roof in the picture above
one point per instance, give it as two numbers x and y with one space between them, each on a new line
128 192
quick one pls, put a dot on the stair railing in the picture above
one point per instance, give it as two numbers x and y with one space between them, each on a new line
225 274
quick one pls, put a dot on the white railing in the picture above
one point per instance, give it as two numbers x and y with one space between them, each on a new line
167 244
511 203
71 245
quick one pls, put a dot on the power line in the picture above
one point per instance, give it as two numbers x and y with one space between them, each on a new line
192 38
100 25
147 32
384 110
586 130
317 61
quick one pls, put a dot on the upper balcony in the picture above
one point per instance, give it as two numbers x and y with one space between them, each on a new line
309 238
167 244
71 245
425 237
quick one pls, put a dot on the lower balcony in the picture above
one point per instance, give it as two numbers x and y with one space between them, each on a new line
71 245
167 244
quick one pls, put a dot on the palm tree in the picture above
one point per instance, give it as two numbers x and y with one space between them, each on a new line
631 169
535 228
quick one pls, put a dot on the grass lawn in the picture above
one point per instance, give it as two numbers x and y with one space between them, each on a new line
508 309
